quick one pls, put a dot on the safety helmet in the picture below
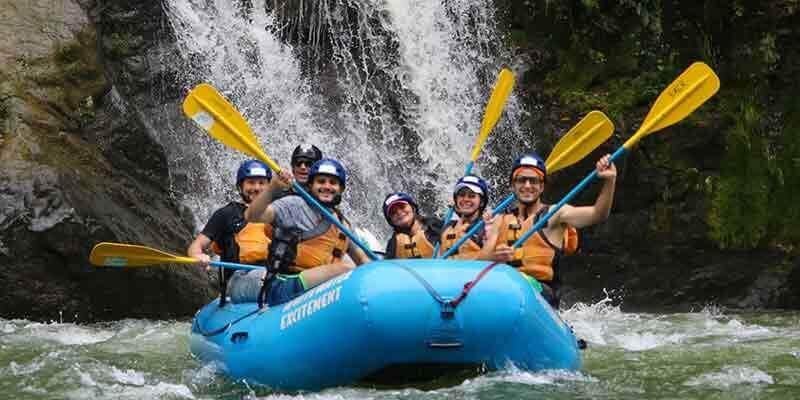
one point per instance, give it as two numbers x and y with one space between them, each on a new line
529 160
252 169
475 184
306 152
328 166
396 198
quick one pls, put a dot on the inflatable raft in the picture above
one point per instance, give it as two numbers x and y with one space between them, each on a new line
384 315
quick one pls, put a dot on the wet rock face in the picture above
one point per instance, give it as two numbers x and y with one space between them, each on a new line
703 208
79 167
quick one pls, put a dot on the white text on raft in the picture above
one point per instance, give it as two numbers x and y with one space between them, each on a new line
308 308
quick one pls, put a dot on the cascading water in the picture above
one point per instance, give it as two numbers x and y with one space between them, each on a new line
395 89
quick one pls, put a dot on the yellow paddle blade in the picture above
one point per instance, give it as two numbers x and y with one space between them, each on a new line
209 109
581 140
690 90
502 89
130 255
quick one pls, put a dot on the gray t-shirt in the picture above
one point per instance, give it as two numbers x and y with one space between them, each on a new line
294 212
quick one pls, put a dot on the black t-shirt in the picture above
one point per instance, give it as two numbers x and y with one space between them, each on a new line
224 224
432 227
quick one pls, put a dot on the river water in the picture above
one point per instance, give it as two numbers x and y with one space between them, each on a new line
709 354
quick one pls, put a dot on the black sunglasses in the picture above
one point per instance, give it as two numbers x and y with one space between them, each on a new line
298 163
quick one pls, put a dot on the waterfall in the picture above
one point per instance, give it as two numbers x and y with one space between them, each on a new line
395 89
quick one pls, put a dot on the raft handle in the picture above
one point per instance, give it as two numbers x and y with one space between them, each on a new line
452 345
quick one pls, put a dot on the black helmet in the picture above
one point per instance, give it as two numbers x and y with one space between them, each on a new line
306 152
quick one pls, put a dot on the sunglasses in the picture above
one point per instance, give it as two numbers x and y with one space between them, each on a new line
533 180
300 163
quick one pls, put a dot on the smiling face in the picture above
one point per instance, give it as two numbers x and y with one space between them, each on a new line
252 187
300 169
325 187
467 202
401 215
527 185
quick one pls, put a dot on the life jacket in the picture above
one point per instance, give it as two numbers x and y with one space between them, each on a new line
413 246
243 242
246 243
537 257
324 245
470 249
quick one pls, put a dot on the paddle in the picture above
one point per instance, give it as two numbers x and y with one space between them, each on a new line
497 101
108 254
221 120
576 144
690 90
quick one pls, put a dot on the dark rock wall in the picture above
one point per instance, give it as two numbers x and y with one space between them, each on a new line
705 210
80 166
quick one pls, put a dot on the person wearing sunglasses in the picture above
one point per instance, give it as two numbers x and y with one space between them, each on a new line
303 157
538 258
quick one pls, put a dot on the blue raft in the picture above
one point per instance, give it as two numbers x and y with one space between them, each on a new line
382 315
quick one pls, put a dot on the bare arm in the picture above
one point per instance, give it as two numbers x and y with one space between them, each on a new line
359 256
197 249
259 210
580 217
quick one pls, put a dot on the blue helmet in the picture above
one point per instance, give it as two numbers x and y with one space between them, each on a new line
395 198
252 169
529 160
328 166
475 184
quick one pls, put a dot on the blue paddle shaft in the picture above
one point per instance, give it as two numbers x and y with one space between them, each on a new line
500 207
230 265
449 215
543 221
299 189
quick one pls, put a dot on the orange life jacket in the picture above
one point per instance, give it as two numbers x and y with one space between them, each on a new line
253 242
537 257
470 250
416 246
327 248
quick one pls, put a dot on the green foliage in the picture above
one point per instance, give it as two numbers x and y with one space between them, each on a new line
740 214
756 199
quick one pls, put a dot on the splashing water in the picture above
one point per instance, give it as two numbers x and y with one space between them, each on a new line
399 97
706 354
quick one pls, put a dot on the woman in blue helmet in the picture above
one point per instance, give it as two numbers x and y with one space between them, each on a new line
470 197
227 232
414 236
307 249
538 258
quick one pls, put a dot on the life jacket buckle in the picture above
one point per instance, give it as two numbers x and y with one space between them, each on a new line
411 245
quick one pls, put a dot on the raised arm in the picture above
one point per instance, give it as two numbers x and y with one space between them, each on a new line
259 209
580 217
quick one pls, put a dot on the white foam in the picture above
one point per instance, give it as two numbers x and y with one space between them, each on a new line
730 376
128 377
605 324
65 334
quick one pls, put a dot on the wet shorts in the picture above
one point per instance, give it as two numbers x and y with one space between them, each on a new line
245 286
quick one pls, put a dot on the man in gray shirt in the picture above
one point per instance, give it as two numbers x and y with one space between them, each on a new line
320 245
